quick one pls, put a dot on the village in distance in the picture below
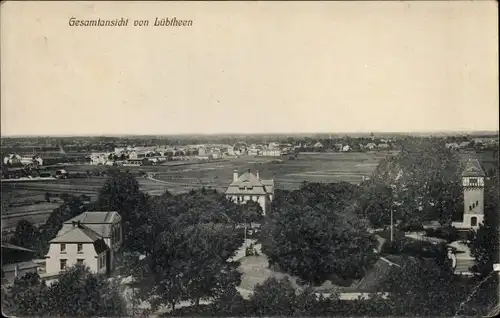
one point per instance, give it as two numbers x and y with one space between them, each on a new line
251 225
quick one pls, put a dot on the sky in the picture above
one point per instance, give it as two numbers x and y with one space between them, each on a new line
249 67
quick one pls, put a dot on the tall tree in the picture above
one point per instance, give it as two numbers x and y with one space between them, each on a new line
190 263
26 235
77 293
121 193
422 287
316 235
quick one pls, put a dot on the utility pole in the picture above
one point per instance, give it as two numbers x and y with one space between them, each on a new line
392 225
245 236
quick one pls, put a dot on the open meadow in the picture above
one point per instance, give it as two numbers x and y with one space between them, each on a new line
26 200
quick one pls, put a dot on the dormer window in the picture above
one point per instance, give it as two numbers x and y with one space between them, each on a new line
473 181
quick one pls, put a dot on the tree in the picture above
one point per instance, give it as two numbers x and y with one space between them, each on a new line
121 193
426 181
484 241
79 293
72 207
25 296
316 234
190 264
422 287
376 203
279 297
251 212
26 234
273 297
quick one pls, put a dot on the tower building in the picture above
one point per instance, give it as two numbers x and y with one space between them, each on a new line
473 189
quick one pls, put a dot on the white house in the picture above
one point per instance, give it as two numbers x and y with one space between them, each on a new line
91 239
250 187
346 148
383 146
271 152
98 158
452 145
119 150
12 158
28 160
370 146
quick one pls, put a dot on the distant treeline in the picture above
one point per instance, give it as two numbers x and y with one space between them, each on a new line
75 146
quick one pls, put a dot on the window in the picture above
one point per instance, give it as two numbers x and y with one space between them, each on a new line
473 181
473 221
63 263
79 261
470 208
80 248
477 203
102 261
63 248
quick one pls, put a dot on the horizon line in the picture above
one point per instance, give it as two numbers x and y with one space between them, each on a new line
450 131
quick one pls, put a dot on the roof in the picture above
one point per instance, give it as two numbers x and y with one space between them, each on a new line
15 247
96 217
100 246
20 266
473 169
102 229
377 275
76 234
248 183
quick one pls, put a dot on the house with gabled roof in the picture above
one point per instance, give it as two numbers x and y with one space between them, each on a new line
91 239
250 187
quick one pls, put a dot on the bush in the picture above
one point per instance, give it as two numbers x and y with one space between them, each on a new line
412 228
414 248
447 233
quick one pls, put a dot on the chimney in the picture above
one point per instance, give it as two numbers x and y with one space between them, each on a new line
258 177
235 175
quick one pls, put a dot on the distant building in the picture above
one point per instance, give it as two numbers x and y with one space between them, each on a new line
338 147
318 145
346 148
271 152
12 159
90 239
253 152
370 146
473 189
98 158
452 145
119 150
32 160
383 146
250 187
464 144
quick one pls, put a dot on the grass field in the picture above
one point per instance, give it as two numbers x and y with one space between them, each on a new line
26 200
327 167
